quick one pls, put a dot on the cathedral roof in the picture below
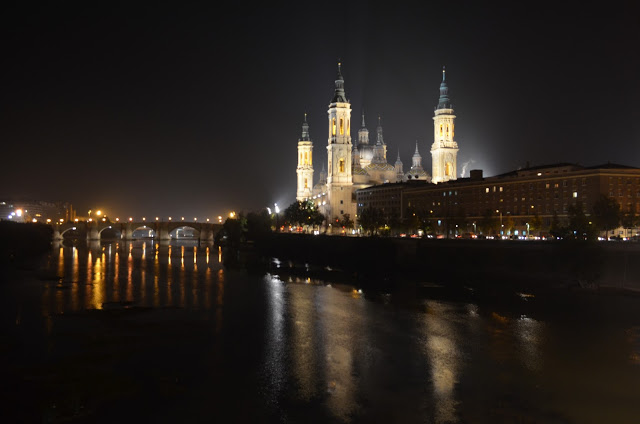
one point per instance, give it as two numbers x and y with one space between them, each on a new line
380 167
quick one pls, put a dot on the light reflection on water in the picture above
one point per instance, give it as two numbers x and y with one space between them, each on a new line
139 273
331 350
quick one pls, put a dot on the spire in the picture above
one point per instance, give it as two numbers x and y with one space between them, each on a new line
443 102
398 161
379 131
363 133
339 95
416 153
305 130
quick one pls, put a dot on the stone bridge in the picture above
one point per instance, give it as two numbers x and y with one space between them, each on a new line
203 231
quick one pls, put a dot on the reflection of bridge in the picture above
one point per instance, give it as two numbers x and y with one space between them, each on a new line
161 230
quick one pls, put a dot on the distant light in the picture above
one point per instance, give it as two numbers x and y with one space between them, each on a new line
130 219
195 219
157 219
169 218
207 219
183 218
75 220
117 219
48 220
34 220
19 212
104 219
144 218
90 219
99 213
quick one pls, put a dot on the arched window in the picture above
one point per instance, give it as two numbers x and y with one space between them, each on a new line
306 159
348 127
341 165
341 126
333 127
440 129
305 183
448 168
447 129
310 160
300 158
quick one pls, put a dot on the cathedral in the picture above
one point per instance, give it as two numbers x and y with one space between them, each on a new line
360 164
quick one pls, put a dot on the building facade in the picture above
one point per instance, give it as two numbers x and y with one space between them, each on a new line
515 198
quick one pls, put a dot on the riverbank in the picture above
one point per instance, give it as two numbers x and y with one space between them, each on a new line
487 264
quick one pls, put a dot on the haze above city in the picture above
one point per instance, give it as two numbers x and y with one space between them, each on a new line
196 111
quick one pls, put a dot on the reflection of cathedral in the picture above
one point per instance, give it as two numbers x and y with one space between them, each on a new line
362 164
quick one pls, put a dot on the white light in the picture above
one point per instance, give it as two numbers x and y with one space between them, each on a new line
19 212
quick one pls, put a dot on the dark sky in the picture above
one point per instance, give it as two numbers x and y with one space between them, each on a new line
184 110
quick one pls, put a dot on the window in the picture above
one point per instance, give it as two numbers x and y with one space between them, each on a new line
547 185
575 194
341 126
341 165
341 202
486 190
333 126
306 159
305 183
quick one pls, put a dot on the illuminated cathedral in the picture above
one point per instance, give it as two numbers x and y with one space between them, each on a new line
360 164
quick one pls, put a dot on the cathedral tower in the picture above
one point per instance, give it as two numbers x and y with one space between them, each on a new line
444 149
339 177
305 163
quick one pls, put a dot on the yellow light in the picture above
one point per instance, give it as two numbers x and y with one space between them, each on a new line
195 219
34 220
75 220
144 218
117 219
207 219
104 219
48 220
183 218
169 218
19 212
157 219
130 219
99 213
90 219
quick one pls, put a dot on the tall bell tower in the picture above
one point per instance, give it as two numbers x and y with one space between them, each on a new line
339 178
444 150
305 163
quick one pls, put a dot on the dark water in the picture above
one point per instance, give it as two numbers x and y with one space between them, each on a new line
140 332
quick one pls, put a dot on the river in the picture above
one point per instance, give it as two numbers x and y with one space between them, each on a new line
146 332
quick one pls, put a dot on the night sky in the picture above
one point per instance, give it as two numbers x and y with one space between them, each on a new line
184 110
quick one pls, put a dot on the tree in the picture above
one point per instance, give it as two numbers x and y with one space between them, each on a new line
509 224
303 213
346 222
536 223
606 214
258 224
578 222
489 224
370 219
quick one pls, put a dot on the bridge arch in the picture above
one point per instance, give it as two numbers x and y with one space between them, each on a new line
187 231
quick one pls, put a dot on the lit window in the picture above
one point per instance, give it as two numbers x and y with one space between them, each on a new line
500 189
333 125
341 165
486 190
341 126
575 194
